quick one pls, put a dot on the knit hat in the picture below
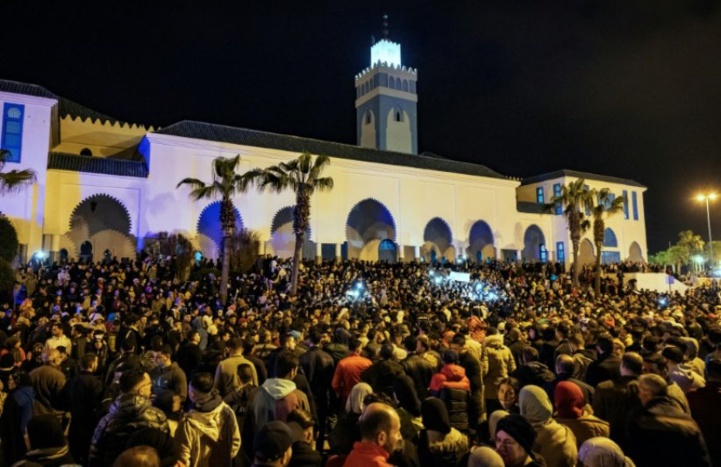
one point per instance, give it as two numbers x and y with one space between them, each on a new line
435 415
569 400
165 445
518 428
535 404
45 431
272 441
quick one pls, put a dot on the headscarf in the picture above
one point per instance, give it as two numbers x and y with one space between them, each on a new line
602 452
435 415
484 456
535 404
569 400
518 428
354 404
406 394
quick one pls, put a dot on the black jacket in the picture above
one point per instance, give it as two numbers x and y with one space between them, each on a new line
420 371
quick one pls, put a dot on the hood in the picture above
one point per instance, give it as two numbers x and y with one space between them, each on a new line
453 372
495 341
452 443
537 367
278 388
208 423
24 395
129 405
535 404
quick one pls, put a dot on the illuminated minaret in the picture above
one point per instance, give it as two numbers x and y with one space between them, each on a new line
386 100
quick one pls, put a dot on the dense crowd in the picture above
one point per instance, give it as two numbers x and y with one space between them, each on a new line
369 364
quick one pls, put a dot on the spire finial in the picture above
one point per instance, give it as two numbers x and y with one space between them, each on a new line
385 26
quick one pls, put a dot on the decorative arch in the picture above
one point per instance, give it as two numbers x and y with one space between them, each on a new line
99 223
534 244
391 82
480 242
405 85
438 238
635 253
210 232
369 220
609 239
586 253
282 237
368 117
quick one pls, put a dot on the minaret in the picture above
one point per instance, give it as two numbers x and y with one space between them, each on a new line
386 100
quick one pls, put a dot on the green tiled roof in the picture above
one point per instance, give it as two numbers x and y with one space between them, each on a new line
245 137
66 106
576 174
97 165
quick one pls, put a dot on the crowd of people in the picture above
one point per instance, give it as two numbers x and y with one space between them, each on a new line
120 363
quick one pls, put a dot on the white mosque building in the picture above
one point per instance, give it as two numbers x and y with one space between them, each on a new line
103 184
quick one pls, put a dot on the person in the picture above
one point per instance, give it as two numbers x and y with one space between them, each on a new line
532 371
318 366
656 364
167 375
164 445
83 393
348 371
661 433
475 370
705 406
189 356
16 414
130 412
453 387
138 456
226 374
302 426
208 434
238 399
500 365
555 442
515 438
382 374
602 451
608 365
272 445
439 444
380 430
484 456
48 383
346 431
418 368
573 412
46 444
58 338
565 367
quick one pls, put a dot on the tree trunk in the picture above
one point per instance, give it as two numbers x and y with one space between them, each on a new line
301 217
225 271
299 240
576 271
597 287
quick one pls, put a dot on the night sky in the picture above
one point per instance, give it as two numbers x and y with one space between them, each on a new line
630 88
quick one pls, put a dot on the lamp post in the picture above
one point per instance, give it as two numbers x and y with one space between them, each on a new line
706 198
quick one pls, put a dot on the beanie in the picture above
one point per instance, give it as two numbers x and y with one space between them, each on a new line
518 428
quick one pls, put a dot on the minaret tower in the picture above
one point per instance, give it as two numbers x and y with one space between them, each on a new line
386 100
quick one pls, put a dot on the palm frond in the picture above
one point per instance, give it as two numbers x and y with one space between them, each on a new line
13 180
193 182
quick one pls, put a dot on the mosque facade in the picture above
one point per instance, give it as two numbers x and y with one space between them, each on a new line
103 184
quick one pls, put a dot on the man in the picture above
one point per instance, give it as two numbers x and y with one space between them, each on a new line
500 365
348 371
226 375
208 435
58 338
608 365
276 398
614 400
476 372
130 412
655 364
49 381
382 374
168 375
565 367
318 367
259 364
419 369
189 356
532 371
661 433
706 409
84 393
128 357
272 445
380 429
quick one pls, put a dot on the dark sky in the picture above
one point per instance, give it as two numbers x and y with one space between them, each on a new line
630 88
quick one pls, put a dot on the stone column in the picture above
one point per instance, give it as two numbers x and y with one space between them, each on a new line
318 252
417 253
338 256
401 253
54 247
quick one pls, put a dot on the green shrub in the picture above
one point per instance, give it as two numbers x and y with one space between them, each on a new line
8 240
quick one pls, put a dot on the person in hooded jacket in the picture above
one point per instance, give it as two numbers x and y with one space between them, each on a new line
555 442
208 434
47 445
17 412
500 365
453 387
573 412
532 371
440 445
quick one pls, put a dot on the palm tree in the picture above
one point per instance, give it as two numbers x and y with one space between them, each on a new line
605 207
226 184
13 180
574 198
303 176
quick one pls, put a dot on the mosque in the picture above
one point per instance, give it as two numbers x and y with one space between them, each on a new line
104 184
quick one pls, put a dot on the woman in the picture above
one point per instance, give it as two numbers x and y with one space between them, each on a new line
571 412
555 442
12 345
602 452
439 445
346 431
508 392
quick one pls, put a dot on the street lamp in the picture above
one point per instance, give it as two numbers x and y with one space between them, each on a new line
706 198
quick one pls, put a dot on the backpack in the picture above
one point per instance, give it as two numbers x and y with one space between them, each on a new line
238 401
456 402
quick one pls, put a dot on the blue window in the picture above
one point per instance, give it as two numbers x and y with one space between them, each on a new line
12 130
557 194
539 195
611 198
544 253
560 252
609 238
625 204
634 202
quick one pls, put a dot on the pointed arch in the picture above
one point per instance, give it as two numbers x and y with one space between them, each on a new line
99 222
586 253
209 230
480 241
282 237
534 244
635 253
368 221
609 238
438 237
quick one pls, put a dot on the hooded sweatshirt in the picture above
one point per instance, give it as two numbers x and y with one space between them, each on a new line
451 376
555 442
208 434
275 399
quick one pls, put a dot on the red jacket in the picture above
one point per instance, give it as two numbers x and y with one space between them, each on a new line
451 376
348 374
365 454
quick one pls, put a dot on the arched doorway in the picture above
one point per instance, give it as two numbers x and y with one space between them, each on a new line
210 232
534 244
586 254
98 224
635 253
438 238
369 223
610 241
387 251
480 240
282 238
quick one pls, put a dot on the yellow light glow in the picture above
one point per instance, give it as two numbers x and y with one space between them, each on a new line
712 196
701 197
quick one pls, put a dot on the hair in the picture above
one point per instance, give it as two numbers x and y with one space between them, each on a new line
632 362
513 382
285 363
424 342
50 354
301 417
245 373
409 343
138 456
459 339
130 379
375 422
166 350
564 330
386 352
530 354
605 343
202 382
87 360
656 360
654 383
354 344
713 368
248 345
565 364
128 345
